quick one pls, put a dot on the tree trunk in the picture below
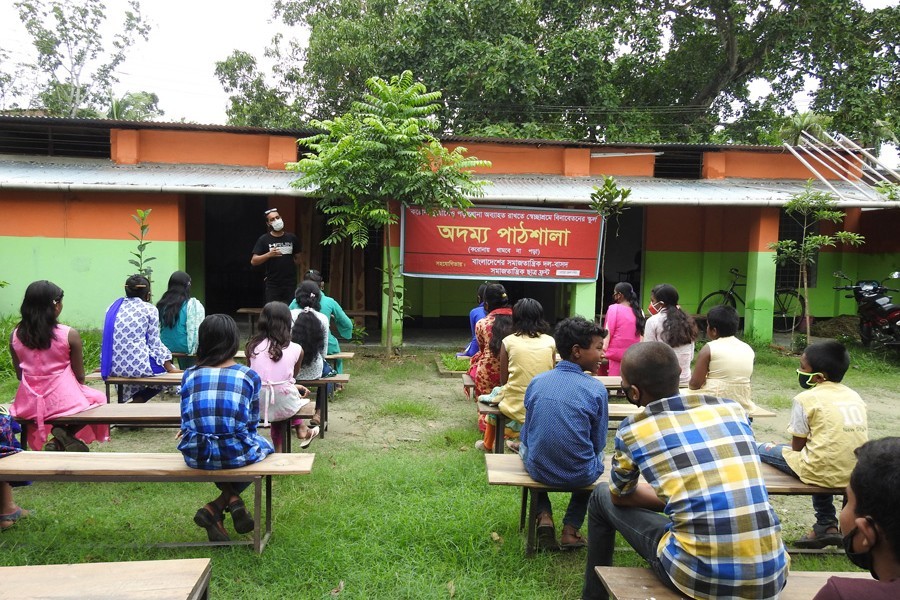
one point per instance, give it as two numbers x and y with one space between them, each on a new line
602 266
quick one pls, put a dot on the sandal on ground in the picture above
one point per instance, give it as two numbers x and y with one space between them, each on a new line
316 420
311 434
513 446
240 516
571 539
820 537
210 518
8 520
53 445
69 442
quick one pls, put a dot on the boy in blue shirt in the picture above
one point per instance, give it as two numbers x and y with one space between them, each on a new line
566 417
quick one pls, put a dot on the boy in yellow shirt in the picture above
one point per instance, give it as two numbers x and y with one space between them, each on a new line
828 423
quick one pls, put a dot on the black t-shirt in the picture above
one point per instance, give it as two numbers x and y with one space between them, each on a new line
280 270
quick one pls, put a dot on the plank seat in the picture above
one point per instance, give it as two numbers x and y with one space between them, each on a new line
241 355
469 386
637 583
176 579
508 469
174 379
148 414
121 467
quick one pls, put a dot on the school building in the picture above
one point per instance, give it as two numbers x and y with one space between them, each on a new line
69 189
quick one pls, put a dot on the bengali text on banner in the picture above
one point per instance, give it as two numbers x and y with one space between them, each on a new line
501 243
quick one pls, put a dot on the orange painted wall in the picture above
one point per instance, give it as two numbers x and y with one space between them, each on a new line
104 216
759 165
202 147
556 160
700 229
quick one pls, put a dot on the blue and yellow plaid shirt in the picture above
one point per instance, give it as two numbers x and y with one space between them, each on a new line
699 455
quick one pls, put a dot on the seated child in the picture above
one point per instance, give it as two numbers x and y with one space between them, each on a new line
870 525
219 415
523 354
276 359
48 358
565 428
724 365
828 422
475 315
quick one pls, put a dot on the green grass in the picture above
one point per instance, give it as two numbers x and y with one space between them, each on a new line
397 505
452 362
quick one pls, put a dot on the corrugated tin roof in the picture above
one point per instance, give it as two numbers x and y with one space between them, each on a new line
121 124
698 147
103 175
75 174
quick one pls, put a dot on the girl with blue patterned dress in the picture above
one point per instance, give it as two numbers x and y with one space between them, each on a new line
219 415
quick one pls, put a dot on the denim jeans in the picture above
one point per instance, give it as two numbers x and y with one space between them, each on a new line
640 527
823 504
578 503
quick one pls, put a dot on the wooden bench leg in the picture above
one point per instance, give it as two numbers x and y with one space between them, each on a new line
531 538
498 433
524 509
322 404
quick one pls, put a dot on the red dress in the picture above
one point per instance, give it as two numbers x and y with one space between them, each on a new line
485 367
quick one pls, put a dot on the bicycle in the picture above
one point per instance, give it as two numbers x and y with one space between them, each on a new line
788 309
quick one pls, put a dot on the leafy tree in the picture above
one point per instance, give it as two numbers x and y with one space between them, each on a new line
74 64
134 106
253 102
610 202
623 70
810 208
805 122
381 151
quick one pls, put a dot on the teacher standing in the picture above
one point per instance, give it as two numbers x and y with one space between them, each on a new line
279 251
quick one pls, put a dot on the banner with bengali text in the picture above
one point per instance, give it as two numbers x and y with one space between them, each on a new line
501 243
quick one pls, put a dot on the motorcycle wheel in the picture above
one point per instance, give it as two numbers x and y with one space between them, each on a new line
865 334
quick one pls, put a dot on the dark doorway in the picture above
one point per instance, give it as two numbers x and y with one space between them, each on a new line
624 254
233 224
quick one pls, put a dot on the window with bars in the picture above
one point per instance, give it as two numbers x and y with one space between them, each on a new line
788 274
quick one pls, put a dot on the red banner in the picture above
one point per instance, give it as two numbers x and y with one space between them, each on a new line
502 243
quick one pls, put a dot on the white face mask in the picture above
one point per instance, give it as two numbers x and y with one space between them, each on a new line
277 225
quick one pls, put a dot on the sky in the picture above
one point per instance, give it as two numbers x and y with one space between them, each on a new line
187 38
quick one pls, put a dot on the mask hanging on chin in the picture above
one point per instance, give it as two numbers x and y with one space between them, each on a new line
652 308
277 225
863 560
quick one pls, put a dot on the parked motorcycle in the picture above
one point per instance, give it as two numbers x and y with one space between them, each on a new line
879 318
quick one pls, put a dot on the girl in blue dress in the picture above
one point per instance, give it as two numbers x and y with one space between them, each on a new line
219 415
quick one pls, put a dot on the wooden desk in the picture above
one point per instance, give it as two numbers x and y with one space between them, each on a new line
252 315
180 579
635 583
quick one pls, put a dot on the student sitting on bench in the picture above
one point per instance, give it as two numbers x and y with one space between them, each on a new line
871 524
702 517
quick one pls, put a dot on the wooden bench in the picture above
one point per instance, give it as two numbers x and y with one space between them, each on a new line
508 469
178 579
174 379
635 583
241 355
252 314
149 414
611 382
617 412
123 467
469 386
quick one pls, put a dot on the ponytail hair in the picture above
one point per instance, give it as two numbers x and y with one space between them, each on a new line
624 288
308 295
274 324
678 329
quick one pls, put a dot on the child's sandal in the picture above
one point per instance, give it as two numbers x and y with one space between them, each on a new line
240 516
210 518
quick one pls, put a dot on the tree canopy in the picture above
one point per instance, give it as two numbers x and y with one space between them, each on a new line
75 66
623 70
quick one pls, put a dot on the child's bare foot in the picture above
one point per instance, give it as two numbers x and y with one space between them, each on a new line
571 539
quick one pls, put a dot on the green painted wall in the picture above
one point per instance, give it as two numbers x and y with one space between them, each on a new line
694 274
441 297
91 272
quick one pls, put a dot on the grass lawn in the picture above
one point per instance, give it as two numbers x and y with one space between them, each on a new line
397 505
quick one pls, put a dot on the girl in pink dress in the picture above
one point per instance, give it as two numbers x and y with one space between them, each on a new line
49 364
276 359
625 323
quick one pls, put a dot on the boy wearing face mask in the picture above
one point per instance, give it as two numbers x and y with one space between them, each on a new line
279 251
871 525
828 423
